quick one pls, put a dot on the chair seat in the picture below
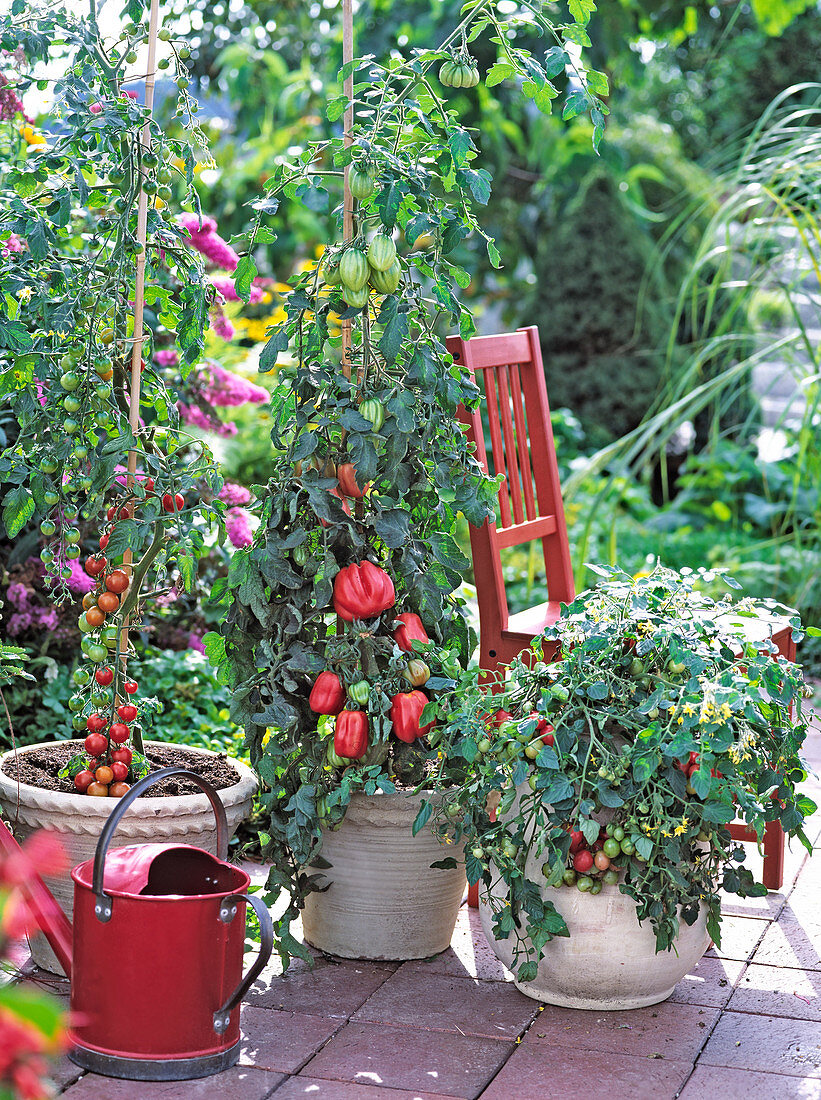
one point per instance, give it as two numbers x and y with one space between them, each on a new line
535 619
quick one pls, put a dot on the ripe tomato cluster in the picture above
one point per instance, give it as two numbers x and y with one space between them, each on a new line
109 758
593 866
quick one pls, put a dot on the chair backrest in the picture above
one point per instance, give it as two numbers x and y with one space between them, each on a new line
509 369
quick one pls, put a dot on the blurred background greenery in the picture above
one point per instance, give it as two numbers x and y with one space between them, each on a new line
674 279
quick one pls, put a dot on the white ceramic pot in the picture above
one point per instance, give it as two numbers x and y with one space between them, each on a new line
78 819
384 900
610 961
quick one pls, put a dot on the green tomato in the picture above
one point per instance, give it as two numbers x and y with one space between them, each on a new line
374 411
509 849
628 847
50 497
48 527
71 534
596 887
618 833
360 691
72 404
70 426
76 703
361 183
483 745
610 877
97 653
569 877
611 847
46 556
478 853
48 465
381 252
78 722
72 552
353 269
70 380
584 883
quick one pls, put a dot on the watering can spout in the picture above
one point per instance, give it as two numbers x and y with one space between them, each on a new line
50 918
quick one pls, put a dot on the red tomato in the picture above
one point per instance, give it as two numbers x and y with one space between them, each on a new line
576 840
130 687
583 861
149 485
602 861
122 756
95 616
112 511
104 774
119 770
97 790
119 733
127 712
174 503
124 513
95 723
117 790
95 743
95 566
117 581
82 780
104 676
104 541
107 602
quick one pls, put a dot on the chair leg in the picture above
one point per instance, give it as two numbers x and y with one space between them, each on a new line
773 874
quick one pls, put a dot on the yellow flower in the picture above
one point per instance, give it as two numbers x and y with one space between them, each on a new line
688 708
673 708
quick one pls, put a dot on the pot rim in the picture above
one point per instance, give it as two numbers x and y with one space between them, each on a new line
244 788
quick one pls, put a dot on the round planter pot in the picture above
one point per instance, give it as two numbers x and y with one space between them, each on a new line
610 961
384 900
78 820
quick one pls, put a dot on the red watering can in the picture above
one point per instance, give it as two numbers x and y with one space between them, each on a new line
155 956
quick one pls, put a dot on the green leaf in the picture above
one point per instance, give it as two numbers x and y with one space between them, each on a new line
36 240
422 818
598 691
18 508
493 254
576 103
214 647
277 342
460 145
336 107
394 332
14 336
246 272
499 72
556 61
597 82
581 10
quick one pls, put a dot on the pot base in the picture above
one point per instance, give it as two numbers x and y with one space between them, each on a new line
149 1069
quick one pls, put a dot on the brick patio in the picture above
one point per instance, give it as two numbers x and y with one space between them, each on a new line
746 1022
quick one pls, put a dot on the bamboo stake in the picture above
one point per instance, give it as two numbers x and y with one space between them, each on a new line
347 198
139 299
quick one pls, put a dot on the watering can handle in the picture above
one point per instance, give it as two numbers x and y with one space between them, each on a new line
102 903
266 946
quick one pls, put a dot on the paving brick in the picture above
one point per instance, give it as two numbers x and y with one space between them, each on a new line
675 1031
63 1072
788 943
421 999
314 1088
739 936
715 1083
331 989
281 1040
768 1043
778 991
469 954
409 1058
539 1069
237 1083
710 983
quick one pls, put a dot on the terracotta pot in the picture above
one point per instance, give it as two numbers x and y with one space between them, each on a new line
78 819
384 900
610 961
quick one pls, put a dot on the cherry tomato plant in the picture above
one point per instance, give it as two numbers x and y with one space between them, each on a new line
354 566
620 764
70 356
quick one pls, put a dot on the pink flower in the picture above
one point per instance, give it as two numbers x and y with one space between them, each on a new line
234 495
226 389
192 414
95 108
195 642
166 357
205 239
79 582
10 104
238 526
221 325
13 244
225 287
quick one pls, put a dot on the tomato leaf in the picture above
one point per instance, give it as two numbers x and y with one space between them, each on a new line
18 508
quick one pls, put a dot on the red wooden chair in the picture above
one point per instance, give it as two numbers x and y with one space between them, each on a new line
508 369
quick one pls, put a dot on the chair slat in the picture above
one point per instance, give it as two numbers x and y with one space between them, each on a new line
526 532
496 446
522 442
514 487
